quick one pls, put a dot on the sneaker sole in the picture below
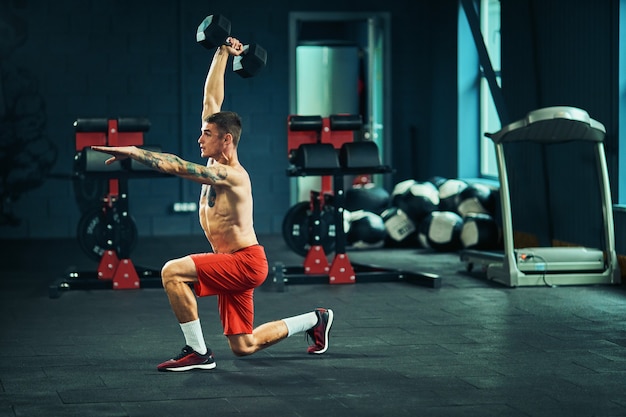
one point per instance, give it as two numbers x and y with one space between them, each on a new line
190 367
330 322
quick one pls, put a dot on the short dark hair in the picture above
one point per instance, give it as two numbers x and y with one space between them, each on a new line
227 122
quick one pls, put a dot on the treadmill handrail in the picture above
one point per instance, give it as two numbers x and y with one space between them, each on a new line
552 125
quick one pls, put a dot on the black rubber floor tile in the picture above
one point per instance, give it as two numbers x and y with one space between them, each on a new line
358 381
609 382
483 410
540 367
612 353
356 344
388 403
508 346
468 348
63 378
17 379
182 390
418 371
597 363
429 335
14 352
311 404
188 407
511 385
7 411
530 397
81 410
26 397
589 406
110 395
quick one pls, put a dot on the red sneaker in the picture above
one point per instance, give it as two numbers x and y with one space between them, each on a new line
187 360
319 332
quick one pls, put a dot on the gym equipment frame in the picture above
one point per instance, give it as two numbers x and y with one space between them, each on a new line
561 265
111 224
312 155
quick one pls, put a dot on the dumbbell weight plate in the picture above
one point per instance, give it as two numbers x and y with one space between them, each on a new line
298 226
96 236
213 31
251 61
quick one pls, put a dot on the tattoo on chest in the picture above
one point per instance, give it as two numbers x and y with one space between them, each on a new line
212 196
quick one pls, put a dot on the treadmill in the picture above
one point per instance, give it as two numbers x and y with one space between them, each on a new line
550 264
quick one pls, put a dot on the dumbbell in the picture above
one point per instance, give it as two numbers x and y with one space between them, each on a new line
213 32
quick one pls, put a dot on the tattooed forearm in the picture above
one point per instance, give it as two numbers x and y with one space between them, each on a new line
172 164
148 158
155 160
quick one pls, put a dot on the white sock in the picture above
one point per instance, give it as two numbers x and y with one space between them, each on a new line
193 336
301 323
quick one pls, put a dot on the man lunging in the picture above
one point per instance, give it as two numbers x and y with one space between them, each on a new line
237 264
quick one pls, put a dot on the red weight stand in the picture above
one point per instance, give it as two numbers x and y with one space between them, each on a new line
341 270
115 268
125 277
108 265
121 272
315 261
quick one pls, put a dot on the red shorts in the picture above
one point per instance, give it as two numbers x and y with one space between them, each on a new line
233 278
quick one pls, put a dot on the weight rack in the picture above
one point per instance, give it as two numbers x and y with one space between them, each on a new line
115 268
313 152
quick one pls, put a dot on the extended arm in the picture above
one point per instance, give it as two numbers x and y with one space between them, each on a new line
214 83
171 164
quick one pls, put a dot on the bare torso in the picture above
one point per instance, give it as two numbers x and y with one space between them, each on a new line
226 215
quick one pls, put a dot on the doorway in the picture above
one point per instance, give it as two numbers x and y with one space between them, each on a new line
339 63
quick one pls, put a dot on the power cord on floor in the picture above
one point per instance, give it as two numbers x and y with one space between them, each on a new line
545 269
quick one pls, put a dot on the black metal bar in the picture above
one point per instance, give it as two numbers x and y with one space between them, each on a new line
485 61
296 171
339 198
294 275
88 280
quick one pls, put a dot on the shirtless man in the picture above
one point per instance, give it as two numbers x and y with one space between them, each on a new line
238 263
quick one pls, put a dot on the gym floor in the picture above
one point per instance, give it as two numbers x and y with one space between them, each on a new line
468 348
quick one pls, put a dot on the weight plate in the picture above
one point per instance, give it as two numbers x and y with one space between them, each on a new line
97 234
89 192
298 229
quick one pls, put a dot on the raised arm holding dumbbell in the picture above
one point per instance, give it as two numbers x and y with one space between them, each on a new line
214 84
238 263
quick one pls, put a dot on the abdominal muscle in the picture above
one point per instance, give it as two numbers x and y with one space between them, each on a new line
227 226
